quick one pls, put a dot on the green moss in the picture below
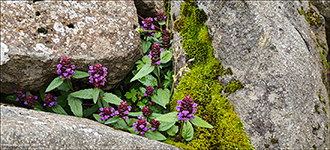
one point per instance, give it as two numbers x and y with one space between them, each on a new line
327 125
229 71
325 111
202 84
311 16
233 86
274 140
320 97
167 10
317 109
178 24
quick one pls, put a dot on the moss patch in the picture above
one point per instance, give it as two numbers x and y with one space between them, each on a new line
311 16
325 111
233 86
202 84
229 71
317 109
320 97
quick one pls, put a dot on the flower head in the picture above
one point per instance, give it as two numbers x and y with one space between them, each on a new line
141 125
166 42
50 100
149 91
155 54
31 100
123 110
147 25
107 113
65 69
20 94
154 124
98 74
146 112
160 17
186 109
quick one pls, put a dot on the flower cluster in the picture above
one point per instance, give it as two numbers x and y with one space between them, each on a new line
50 100
160 17
123 110
166 42
186 109
155 54
107 113
31 100
149 91
154 124
147 25
98 74
141 125
65 69
20 94
146 112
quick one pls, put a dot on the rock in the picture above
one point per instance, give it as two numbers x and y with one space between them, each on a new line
323 6
149 8
272 50
23 128
35 35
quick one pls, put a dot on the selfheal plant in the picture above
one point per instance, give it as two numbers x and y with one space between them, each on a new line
50 100
146 112
20 94
31 100
154 124
147 25
155 54
186 109
160 17
123 110
149 91
107 113
141 125
65 69
98 74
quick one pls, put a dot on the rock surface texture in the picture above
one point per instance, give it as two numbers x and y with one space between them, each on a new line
149 8
29 129
34 36
272 50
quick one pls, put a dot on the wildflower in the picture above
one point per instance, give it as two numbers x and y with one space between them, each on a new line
186 109
155 54
160 17
31 100
154 124
167 33
107 113
166 42
152 103
141 125
20 94
98 74
147 25
123 110
65 69
146 112
50 100
149 91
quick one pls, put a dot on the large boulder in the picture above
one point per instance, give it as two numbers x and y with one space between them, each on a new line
272 50
35 34
149 8
25 129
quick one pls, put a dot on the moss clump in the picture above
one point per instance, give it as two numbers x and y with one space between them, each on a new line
320 97
274 140
202 85
325 111
327 125
233 86
317 109
229 71
311 17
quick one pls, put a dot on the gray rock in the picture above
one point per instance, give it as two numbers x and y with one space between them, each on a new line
29 129
273 51
34 36
149 8
324 7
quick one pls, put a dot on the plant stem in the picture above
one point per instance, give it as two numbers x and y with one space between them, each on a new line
126 122
158 75
70 84
100 98
180 132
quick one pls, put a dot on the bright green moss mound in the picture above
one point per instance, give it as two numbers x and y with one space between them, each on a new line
203 86
233 86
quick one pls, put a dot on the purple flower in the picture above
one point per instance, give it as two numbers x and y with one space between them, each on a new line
166 42
107 113
155 54
154 124
147 25
160 17
123 110
20 94
141 125
50 100
149 91
98 74
146 112
31 100
186 109
65 69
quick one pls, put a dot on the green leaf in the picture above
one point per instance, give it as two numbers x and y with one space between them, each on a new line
165 126
111 98
80 74
131 95
91 110
139 64
11 97
145 45
145 70
155 135
54 84
75 105
27 93
84 94
157 100
167 83
173 130
200 122
96 92
42 95
64 86
58 109
165 57
132 130
135 114
38 107
164 96
169 75
157 34
169 117
161 23
140 104
112 120
146 59
148 80
98 117
121 124
187 131
62 100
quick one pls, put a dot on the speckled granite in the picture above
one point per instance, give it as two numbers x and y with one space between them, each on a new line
30 129
34 36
